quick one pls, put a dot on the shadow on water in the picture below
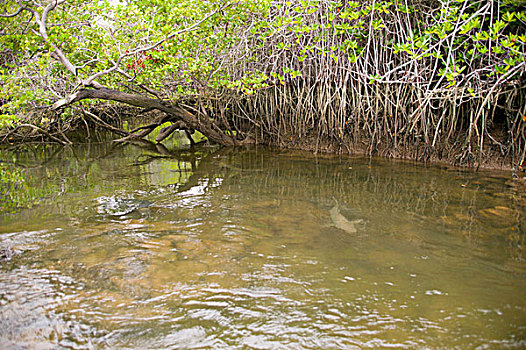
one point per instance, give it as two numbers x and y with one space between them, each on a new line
143 246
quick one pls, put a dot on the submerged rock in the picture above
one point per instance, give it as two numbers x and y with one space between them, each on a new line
116 206
8 252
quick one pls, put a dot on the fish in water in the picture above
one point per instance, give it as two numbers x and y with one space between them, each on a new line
341 221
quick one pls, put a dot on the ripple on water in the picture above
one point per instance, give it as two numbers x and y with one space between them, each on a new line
29 299
248 260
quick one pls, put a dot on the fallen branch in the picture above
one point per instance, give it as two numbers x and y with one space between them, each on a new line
203 125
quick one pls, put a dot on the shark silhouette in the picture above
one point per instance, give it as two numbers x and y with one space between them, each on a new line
340 221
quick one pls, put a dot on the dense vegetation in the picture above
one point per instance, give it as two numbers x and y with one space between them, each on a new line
425 79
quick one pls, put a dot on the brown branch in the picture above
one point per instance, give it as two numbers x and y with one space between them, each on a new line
143 133
14 14
149 126
203 125
166 131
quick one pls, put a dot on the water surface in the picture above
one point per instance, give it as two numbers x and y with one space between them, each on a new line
137 246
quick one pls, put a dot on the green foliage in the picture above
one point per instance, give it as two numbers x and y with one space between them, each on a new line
7 120
185 49
94 35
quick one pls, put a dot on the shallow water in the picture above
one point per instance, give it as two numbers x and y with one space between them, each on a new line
126 247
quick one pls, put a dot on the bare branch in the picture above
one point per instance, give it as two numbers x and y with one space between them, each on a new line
41 21
14 14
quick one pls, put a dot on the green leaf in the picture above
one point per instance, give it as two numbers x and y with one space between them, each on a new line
508 16
501 69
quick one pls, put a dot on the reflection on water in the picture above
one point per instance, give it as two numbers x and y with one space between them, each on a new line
108 246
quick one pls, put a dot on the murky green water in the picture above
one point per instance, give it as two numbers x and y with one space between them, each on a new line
130 247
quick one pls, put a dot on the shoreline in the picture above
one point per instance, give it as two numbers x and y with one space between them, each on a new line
325 147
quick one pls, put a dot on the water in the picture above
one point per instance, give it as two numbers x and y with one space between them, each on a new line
127 247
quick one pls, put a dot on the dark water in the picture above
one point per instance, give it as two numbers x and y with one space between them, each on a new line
130 247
